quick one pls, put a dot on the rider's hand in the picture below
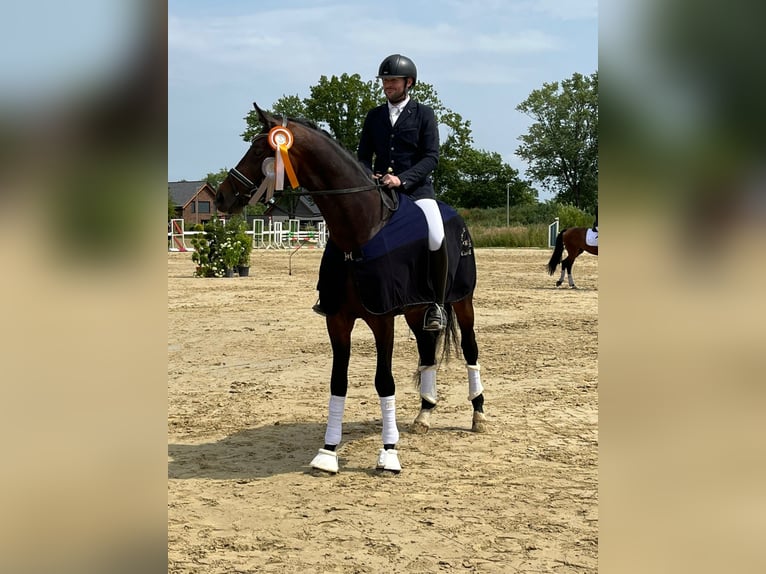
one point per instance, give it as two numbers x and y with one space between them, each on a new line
391 181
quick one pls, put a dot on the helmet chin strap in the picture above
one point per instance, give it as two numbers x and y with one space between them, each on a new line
404 94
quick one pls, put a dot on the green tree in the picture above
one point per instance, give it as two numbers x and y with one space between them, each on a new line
478 178
215 179
561 146
341 104
290 106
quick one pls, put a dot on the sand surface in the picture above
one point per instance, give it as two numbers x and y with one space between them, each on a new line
248 383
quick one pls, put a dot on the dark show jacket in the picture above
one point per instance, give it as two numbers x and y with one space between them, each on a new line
410 147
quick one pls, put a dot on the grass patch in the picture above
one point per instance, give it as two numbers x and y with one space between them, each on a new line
535 235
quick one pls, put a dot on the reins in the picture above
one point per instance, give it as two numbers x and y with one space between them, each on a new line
252 187
376 186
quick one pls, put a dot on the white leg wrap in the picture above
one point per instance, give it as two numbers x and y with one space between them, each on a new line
475 387
388 410
335 420
428 383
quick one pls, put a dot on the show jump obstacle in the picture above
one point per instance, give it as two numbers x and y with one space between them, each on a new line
268 234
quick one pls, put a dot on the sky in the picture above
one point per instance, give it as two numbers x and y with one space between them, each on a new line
483 58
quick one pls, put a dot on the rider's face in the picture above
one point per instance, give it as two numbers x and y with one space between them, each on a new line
395 89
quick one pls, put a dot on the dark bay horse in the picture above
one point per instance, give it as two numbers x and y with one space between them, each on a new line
355 212
573 240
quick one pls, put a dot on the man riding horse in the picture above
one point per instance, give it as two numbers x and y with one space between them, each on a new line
399 145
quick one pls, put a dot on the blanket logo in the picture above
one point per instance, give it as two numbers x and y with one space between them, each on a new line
466 245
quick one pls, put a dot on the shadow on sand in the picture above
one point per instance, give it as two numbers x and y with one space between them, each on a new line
258 452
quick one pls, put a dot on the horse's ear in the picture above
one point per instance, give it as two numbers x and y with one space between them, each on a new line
266 119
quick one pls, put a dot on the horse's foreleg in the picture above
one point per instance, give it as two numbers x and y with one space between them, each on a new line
383 329
340 339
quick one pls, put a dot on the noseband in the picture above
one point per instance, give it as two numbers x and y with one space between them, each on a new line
241 178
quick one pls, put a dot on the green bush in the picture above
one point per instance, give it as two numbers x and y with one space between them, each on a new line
571 216
222 246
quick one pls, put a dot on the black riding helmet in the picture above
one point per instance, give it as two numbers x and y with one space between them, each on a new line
398 66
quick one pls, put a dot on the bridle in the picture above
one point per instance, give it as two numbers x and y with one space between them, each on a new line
249 187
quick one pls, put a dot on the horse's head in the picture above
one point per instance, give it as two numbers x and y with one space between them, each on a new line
319 162
235 192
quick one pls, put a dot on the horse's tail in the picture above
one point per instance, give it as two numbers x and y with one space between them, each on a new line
557 253
449 337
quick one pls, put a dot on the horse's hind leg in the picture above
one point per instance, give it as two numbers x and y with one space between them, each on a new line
570 263
426 341
570 279
465 319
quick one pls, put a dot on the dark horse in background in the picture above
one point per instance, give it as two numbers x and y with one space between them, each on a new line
356 212
573 240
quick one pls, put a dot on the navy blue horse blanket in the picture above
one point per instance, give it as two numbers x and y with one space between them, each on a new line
390 271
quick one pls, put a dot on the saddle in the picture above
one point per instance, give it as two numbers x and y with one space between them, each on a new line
390 271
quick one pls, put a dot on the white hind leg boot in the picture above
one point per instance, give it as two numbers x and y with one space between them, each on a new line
428 383
475 387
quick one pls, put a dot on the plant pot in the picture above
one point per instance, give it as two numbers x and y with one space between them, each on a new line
229 272
243 270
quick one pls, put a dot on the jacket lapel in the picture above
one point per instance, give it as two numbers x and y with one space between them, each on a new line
407 115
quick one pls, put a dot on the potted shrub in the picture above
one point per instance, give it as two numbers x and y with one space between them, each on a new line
236 230
208 254
245 246
230 253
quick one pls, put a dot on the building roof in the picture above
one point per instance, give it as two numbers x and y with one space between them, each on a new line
182 192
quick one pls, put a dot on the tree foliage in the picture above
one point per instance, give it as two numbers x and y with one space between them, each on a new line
561 145
215 179
478 178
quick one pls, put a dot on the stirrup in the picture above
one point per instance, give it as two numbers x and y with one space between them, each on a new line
434 318
317 308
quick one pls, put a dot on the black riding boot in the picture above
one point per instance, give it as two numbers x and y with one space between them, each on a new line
436 318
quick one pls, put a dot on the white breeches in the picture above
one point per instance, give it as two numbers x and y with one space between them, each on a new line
434 219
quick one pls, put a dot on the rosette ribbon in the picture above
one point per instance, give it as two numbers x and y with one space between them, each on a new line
281 140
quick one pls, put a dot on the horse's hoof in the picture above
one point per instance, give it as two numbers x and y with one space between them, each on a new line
558 283
388 461
573 286
479 422
422 422
326 460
